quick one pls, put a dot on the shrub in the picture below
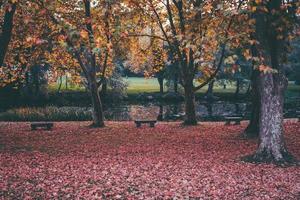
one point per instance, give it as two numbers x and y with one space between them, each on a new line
47 114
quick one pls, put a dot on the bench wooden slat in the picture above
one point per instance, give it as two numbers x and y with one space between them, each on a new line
46 125
233 118
140 122
236 119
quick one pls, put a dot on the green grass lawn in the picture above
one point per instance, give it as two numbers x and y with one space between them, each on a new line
139 85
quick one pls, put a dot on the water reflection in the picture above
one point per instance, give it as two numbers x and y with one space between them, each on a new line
170 112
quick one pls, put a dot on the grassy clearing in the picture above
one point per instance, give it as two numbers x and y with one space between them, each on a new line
138 85
72 88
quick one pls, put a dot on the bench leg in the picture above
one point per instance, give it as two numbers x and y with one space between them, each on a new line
237 122
152 125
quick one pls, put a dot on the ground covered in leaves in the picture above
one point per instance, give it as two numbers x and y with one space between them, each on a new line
123 162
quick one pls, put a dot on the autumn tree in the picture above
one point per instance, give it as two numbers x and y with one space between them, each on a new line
276 22
148 56
196 33
85 30
27 49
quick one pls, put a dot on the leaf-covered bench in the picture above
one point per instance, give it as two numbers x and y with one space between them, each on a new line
44 125
140 122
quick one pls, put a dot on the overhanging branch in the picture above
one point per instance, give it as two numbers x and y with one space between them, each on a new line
214 74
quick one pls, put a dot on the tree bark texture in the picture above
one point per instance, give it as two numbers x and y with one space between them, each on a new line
190 112
271 148
98 116
271 87
252 130
6 34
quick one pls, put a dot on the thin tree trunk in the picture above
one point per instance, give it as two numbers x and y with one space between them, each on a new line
209 109
103 91
176 83
271 148
252 130
6 32
66 82
237 91
248 90
160 116
209 92
28 85
60 84
161 85
36 81
190 112
237 108
98 116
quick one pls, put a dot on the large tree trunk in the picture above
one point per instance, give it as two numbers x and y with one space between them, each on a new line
98 116
190 112
6 31
252 130
271 88
271 148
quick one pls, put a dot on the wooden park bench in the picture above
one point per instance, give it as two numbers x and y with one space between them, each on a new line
140 122
236 119
45 125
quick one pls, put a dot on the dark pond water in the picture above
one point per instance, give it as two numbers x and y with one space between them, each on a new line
213 111
204 111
